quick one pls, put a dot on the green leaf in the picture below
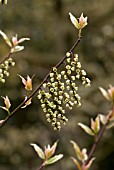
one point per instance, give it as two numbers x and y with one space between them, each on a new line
86 129
38 150
77 150
54 159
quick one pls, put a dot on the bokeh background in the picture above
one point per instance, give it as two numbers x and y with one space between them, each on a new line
47 23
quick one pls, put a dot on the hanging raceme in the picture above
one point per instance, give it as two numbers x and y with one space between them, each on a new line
61 90
4 68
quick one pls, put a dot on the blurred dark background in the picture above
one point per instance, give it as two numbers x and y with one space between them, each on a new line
47 23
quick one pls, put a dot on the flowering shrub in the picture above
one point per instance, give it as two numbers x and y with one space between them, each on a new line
58 91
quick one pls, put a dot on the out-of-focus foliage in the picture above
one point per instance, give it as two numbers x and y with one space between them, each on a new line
47 24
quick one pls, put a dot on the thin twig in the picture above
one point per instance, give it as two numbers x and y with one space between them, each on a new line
41 167
6 58
39 86
96 143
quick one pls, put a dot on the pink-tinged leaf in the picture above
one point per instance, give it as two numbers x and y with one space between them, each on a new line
23 39
86 129
82 21
103 119
14 40
23 80
76 163
29 83
38 150
27 103
49 151
111 92
7 102
89 163
54 159
85 156
5 38
1 122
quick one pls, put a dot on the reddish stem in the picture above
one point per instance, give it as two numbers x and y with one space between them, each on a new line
101 132
96 143
41 167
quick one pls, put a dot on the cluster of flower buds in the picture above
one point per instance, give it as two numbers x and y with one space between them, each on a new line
74 71
4 68
60 91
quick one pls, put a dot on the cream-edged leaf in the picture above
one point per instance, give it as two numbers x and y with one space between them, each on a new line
86 129
5 37
74 21
4 108
23 39
104 93
103 119
38 150
17 48
110 125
